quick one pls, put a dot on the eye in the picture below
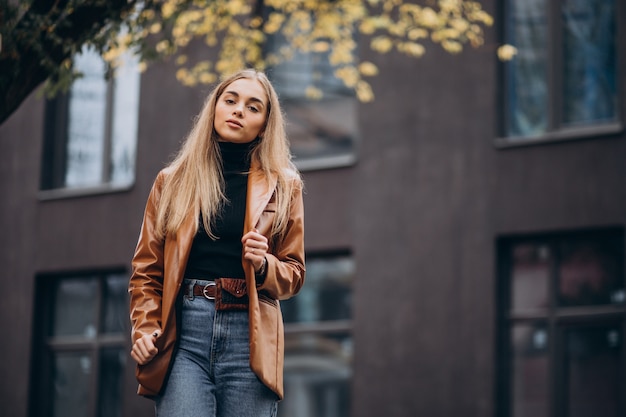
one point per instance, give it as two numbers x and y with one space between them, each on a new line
229 101
253 109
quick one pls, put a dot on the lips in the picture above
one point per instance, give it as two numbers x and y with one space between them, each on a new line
232 122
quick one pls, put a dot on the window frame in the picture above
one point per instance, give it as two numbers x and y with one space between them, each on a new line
45 345
338 328
556 319
315 162
556 133
52 184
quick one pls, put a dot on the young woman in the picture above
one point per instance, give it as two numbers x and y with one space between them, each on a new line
221 242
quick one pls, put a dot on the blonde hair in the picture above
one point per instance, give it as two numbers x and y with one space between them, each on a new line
195 183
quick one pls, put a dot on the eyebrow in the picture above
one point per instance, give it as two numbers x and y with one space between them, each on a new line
255 99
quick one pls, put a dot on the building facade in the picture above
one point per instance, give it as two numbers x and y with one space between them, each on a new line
464 231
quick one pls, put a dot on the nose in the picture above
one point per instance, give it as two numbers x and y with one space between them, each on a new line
238 110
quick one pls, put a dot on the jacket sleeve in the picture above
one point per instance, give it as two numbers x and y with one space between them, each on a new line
285 264
146 281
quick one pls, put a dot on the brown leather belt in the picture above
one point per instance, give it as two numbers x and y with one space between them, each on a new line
208 291
227 293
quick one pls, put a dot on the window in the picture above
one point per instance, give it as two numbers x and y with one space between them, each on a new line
562 319
318 341
323 131
91 133
81 347
563 80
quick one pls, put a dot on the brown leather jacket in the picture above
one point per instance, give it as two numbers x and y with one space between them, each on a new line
157 274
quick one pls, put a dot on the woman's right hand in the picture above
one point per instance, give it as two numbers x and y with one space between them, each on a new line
144 350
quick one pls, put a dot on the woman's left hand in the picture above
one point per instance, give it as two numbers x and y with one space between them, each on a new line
254 248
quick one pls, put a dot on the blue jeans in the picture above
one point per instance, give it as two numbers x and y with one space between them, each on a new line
211 373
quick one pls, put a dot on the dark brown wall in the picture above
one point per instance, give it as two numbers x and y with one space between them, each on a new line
20 142
423 239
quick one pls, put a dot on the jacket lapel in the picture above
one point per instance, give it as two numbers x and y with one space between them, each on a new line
260 190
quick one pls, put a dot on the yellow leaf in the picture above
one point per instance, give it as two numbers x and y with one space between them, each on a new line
162 46
381 44
451 46
364 92
415 34
413 49
155 28
320 46
313 93
181 74
207 78
428 18
368 69
506 52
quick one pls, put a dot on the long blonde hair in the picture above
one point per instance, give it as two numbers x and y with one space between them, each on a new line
195 183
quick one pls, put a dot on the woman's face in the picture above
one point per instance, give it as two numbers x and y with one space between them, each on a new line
241 111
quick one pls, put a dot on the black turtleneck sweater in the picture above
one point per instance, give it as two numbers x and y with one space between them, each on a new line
210 259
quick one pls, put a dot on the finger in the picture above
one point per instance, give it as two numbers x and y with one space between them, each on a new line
140 355
256 244
254 236
146 346
141 350
137 356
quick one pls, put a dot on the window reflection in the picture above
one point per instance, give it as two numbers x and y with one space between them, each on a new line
529 345
318 343
593 363
91 134
526 75
70 381
112 364
589 36
531 271
322 131
558 359
565 70
125 121
75 307
115 304
86 121
590 273
326 295
82 347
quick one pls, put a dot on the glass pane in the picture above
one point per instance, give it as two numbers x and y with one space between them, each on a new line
590 273
526 75
86 119
529 347
530 276
589 60
125 121
71 380
321 131
112 363
115 302
75 307
593 364
325 128
317 376
327 294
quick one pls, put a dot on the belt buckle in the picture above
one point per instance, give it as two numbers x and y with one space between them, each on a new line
205 290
